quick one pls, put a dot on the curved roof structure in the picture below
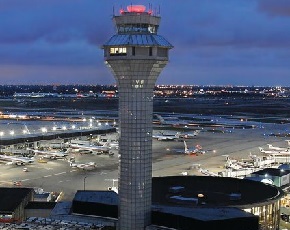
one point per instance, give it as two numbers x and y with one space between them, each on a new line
285 166
138 40
209 191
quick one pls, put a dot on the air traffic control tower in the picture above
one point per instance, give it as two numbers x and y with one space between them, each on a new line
136 55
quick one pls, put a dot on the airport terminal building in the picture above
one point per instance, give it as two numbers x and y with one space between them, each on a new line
178 202
196 202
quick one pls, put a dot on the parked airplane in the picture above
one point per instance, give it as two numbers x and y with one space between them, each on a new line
192 151
272 151
49 154
232 163
113 141
166 137
170 120
208 173
84 166
277 148
92 148
16 160
189 135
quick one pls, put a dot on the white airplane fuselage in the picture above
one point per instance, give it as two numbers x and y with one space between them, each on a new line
272 151
16 160
277 148
93 148
84 166
49 154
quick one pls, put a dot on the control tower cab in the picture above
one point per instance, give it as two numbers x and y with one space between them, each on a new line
136 36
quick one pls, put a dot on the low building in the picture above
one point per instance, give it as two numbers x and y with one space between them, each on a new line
13 202
194 202
39 209
280 177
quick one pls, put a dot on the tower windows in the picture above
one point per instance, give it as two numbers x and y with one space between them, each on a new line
118 51
162 52
150 51
137 28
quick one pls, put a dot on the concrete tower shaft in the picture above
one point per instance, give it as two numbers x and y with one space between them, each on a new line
136 56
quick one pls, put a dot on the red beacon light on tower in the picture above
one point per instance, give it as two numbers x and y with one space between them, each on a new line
136 9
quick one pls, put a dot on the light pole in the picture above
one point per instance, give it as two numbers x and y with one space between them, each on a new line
1 135
85 183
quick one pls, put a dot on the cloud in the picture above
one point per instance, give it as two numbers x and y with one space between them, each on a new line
208 36
42 74
54 21
275 7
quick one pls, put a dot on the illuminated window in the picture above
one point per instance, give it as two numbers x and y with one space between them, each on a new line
118 51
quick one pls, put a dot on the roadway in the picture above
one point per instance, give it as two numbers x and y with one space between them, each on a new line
58 176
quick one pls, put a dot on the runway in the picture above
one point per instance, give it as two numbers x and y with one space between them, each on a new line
58 176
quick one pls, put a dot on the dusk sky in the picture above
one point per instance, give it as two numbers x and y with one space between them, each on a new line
216 42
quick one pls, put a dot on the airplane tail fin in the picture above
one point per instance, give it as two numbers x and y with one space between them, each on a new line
252 156
160 118
288 141
185 147
68 150
199 147
107 144
71 164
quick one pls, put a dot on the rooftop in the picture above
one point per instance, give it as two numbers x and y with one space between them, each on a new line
10 198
